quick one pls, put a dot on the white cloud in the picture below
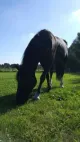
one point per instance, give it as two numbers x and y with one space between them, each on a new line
75 16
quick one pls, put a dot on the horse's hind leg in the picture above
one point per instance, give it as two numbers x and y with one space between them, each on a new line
48 81
51 73
61 83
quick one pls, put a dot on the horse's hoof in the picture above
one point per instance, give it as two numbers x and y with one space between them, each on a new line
36 97
62 86
49 88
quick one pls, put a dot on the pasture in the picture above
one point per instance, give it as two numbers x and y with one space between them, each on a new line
54 118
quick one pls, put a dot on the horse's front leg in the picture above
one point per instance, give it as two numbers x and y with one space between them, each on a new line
42 78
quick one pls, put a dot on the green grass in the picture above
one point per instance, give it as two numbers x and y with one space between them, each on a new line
54 118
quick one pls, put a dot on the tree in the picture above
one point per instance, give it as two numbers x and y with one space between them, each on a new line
74 55
6 65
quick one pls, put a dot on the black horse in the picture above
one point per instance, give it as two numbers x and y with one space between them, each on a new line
47 49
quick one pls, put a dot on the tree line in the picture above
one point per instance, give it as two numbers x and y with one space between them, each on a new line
8 67
13 67
73 63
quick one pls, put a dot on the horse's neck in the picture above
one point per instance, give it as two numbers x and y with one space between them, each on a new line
30 66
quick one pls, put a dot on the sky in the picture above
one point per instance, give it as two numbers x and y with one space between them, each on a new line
20 20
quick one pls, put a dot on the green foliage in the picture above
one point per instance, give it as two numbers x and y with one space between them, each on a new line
6 67
54 118
74 55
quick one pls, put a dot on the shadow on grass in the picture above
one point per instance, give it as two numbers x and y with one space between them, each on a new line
77 87
76 81
45 89
77 73
7 103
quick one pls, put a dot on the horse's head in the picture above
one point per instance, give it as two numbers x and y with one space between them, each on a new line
61 59
26 82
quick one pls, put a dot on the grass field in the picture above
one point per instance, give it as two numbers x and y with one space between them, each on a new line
54 118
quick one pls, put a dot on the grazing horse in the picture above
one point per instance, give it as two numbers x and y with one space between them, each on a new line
47 49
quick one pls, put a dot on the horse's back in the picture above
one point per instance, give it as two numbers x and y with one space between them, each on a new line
62 46
43 39
39 48
42 48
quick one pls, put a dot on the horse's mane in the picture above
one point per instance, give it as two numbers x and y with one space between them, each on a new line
65 41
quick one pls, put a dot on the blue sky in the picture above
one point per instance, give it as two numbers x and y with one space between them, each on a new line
21 19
